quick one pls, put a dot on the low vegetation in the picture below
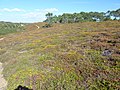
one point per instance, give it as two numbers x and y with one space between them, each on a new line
8 27
63 57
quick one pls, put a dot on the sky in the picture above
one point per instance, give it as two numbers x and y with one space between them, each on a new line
35 10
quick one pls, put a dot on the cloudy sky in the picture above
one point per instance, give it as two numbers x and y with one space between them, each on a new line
35 10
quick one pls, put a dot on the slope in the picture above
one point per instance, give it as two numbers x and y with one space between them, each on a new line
65 56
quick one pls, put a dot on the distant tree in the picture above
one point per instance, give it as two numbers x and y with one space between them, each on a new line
96 16
115 14
65 18
107 16
75 17
54 19
49 16
83 17
49 20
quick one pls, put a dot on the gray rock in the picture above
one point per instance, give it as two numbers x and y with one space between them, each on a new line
106 52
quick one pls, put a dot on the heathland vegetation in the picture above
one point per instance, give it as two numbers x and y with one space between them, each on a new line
8 27
70 56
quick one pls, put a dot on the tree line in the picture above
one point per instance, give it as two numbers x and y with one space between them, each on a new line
83 17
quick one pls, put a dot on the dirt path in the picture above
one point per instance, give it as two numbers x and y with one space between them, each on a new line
37 26
3 82
1 39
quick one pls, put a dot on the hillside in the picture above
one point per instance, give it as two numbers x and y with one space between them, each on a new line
8 27
63 57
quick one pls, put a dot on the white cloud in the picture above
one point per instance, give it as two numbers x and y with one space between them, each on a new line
12 10
47 10
39 13
51 10
31 15
36 15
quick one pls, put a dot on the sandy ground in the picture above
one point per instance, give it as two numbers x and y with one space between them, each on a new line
37 26
1 39
3 82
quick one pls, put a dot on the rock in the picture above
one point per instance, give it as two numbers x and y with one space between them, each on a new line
107 52
22 88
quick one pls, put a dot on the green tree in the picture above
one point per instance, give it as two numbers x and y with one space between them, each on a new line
115 14
49 16
54 19
83 17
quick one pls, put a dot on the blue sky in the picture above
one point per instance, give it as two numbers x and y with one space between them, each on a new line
35 10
